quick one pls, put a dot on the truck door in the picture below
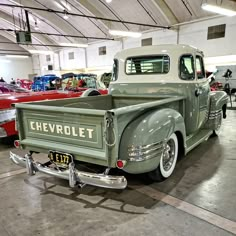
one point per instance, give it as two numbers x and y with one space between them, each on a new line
202 91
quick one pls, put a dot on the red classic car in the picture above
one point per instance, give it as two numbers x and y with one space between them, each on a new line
7 112
10 88
24 83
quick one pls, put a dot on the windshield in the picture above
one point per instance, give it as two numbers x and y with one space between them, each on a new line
159 64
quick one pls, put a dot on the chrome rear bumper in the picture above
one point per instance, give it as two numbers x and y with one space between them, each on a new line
73 175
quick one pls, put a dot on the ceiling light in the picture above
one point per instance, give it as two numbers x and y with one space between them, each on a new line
36 26
218 9
108 1
78 45
40 52
17 56
65 16
125 33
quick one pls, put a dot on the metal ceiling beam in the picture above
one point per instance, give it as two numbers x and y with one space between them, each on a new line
39 45
166 11
92 21
62 35
112 11
86 16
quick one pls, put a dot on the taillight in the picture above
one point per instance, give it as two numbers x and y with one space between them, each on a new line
120 164
17 144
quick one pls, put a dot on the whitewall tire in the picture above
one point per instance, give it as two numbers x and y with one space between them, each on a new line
168 160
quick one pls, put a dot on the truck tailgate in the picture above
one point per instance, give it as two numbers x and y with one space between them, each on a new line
71 130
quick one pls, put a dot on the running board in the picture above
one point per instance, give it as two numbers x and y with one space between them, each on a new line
196 139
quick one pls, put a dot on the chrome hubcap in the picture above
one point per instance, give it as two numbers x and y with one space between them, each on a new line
169 155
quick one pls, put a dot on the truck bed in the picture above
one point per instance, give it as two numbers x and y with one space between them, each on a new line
78 125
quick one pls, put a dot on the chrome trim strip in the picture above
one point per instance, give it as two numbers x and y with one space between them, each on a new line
144 152
99 180
138 158
136 148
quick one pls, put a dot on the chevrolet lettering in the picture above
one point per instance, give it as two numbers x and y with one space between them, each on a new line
67 130
159 107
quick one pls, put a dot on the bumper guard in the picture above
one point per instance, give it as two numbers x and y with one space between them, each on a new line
73 175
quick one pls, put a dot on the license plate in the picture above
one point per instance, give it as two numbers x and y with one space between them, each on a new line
60 159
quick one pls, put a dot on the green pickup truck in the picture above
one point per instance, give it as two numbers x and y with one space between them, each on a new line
159 107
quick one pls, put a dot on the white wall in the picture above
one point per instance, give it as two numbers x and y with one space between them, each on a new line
77 63
15 68
194 34
94 60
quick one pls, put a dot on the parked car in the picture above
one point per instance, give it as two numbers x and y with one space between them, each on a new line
159 107
106 78
83 82
7 112
24 83
44 83
11 88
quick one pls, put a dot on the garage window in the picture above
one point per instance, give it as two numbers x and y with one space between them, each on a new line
71 55
159 64
102 51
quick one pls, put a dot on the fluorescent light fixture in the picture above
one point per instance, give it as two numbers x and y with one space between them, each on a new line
218 9
5 61
17 56
125 33
77 45
40 52
108 1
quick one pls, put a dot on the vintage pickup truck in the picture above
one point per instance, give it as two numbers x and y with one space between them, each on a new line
159 107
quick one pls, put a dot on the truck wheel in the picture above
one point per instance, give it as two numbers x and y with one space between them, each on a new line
168 160
216 131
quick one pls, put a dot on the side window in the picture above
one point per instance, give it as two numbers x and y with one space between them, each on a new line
186 67
200 67
115 70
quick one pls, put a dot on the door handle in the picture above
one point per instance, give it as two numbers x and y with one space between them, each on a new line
198 92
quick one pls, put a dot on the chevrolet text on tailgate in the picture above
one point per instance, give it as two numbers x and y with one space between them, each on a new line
159 107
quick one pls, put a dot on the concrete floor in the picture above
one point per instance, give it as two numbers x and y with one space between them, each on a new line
199 199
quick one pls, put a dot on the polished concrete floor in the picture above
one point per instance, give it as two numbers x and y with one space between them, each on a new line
199 199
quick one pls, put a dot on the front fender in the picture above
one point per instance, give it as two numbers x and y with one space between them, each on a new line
146 133
218 99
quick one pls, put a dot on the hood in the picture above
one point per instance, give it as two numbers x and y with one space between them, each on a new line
6 100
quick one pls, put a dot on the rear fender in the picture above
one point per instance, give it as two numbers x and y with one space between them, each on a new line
147 132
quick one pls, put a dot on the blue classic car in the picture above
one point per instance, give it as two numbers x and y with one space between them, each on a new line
44 83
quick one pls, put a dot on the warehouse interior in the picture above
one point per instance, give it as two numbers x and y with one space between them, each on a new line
48 47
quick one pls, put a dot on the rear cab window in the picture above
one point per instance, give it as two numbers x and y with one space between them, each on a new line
158 64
